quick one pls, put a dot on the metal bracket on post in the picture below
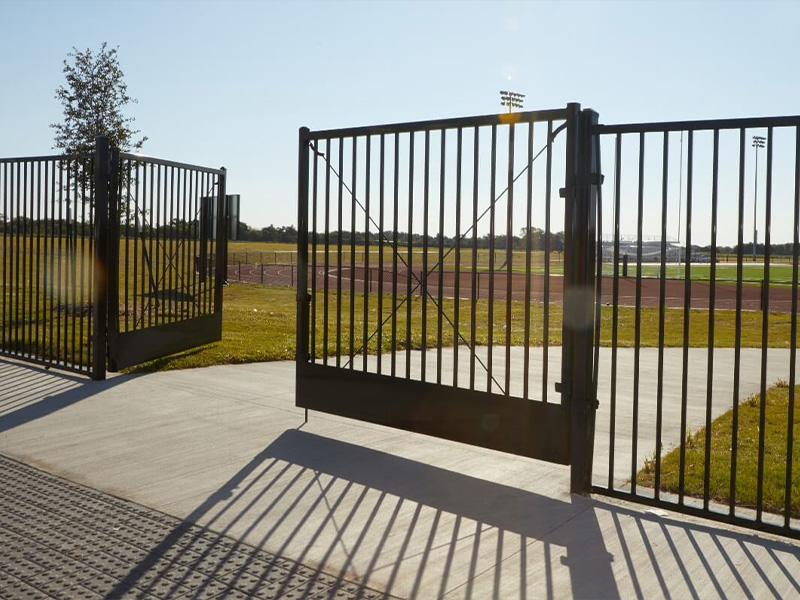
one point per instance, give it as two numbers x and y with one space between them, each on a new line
578 323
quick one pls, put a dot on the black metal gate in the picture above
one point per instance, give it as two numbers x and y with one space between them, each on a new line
691 361
169 220
109 258
417 266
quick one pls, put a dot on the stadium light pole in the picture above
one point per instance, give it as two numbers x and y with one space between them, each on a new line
511 99
758 142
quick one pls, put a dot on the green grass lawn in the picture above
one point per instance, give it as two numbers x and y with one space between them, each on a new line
259 325
775 444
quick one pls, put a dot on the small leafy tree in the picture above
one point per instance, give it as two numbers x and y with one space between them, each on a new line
93 98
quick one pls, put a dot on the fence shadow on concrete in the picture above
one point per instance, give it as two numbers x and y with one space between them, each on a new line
30 392
406 527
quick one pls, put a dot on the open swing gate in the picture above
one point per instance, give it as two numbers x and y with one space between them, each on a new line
109 259
424 304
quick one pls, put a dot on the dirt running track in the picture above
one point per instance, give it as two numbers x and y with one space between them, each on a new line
780 298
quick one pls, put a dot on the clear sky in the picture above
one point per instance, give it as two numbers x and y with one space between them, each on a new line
229 83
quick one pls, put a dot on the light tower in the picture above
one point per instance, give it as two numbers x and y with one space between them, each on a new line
758 142
511 99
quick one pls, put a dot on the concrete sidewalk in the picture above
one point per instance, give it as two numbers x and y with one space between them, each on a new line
402 513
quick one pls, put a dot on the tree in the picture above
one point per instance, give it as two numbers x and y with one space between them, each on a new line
93 98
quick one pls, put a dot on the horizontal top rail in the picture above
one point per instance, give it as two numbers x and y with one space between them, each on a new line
52 157
170 163
437 124
706 124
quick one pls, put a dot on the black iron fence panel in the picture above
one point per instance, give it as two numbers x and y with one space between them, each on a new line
425 258
170 222
47 260
697 403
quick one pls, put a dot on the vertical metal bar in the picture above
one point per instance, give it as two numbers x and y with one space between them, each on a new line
313 299
221 247
687 309
426 197
440 282
395 249
509 253
546 291
23 240
36 218
152 223
381 182
43 273
59 281
325 286
7 224
169 246
52 281
127 203
73 261
737 331
365 263
353 194
303 352
764 332
638 319
528 250
101 174
661 312
90 162
156 276
787 510
24 347
457 273
490 318
410 265
475 288
712 295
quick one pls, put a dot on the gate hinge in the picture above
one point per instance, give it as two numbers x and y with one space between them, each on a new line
592 179
564 389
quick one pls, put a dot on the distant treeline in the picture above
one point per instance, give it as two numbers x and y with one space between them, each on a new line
289 234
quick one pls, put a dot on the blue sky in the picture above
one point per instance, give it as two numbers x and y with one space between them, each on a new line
230 83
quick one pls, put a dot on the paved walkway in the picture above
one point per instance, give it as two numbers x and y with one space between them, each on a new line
59 539
225 448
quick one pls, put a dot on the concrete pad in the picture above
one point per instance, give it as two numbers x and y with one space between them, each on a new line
412 515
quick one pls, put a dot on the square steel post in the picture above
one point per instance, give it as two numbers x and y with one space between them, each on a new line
303 299
579 280
113 260
102 173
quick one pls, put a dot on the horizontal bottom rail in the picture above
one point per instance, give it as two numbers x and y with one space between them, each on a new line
135 347
699 512
506 423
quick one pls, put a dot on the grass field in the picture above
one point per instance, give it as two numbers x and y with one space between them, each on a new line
277 253
775 446
259 325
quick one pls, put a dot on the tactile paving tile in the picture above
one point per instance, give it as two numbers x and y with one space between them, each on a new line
59 539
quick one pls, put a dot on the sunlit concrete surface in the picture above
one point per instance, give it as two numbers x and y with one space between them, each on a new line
411 515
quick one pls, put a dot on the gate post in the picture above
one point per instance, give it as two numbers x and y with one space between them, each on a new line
303 299
113 260
579 280
102 172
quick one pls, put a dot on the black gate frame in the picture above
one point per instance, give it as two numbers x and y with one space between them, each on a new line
556 432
